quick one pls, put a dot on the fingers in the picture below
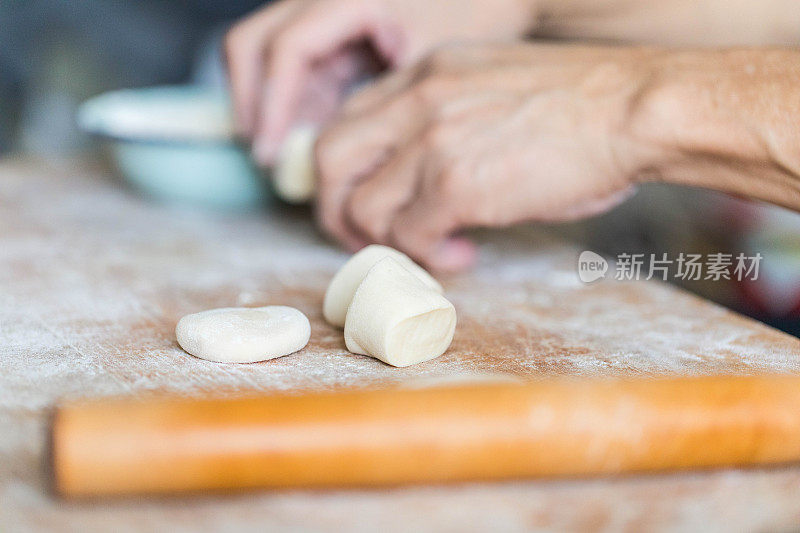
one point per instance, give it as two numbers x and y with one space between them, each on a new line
400 201
592 207
423 230
354 150
437 76
318 32
245 44
341 160
377 184
378 92
374 202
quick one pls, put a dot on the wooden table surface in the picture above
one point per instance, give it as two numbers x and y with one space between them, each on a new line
94 278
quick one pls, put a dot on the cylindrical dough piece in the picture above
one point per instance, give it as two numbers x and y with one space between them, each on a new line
344 284
295 177
398 319
243 335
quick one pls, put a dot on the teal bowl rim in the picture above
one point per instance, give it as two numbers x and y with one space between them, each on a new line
234 141
231 143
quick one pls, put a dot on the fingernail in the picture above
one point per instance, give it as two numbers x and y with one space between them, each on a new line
455 254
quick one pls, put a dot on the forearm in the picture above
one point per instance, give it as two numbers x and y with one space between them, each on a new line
673 22
723 120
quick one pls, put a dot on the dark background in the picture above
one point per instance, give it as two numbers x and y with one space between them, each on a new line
54 54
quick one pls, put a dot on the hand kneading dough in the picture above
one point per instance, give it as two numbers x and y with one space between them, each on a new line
294 178
398 319
243 335
344 284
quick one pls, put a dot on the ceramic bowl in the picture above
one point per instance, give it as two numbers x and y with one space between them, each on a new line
176 144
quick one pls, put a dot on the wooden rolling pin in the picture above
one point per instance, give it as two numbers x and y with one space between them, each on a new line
366 438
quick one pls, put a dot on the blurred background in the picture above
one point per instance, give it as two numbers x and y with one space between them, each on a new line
56 54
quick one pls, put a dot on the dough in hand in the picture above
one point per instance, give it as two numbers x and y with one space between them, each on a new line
397 318
344 284
294 178
243 335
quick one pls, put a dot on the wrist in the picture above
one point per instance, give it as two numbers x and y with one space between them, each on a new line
637 121
650 112
707 119
671 119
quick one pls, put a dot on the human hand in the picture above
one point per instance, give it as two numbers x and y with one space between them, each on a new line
295 60
481 136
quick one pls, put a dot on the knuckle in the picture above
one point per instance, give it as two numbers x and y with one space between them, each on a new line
430 64
433 91
288 41
449 183
432 87
281 44
423 68
410 101
435 136
439 61
443 58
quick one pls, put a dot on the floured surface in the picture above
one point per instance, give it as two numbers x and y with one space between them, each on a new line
93 281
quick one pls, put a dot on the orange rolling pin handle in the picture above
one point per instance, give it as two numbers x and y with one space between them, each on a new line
368 438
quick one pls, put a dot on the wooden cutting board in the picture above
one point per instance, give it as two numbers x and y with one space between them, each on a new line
94 279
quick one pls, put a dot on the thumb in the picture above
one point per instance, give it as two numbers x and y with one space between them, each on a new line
316 33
